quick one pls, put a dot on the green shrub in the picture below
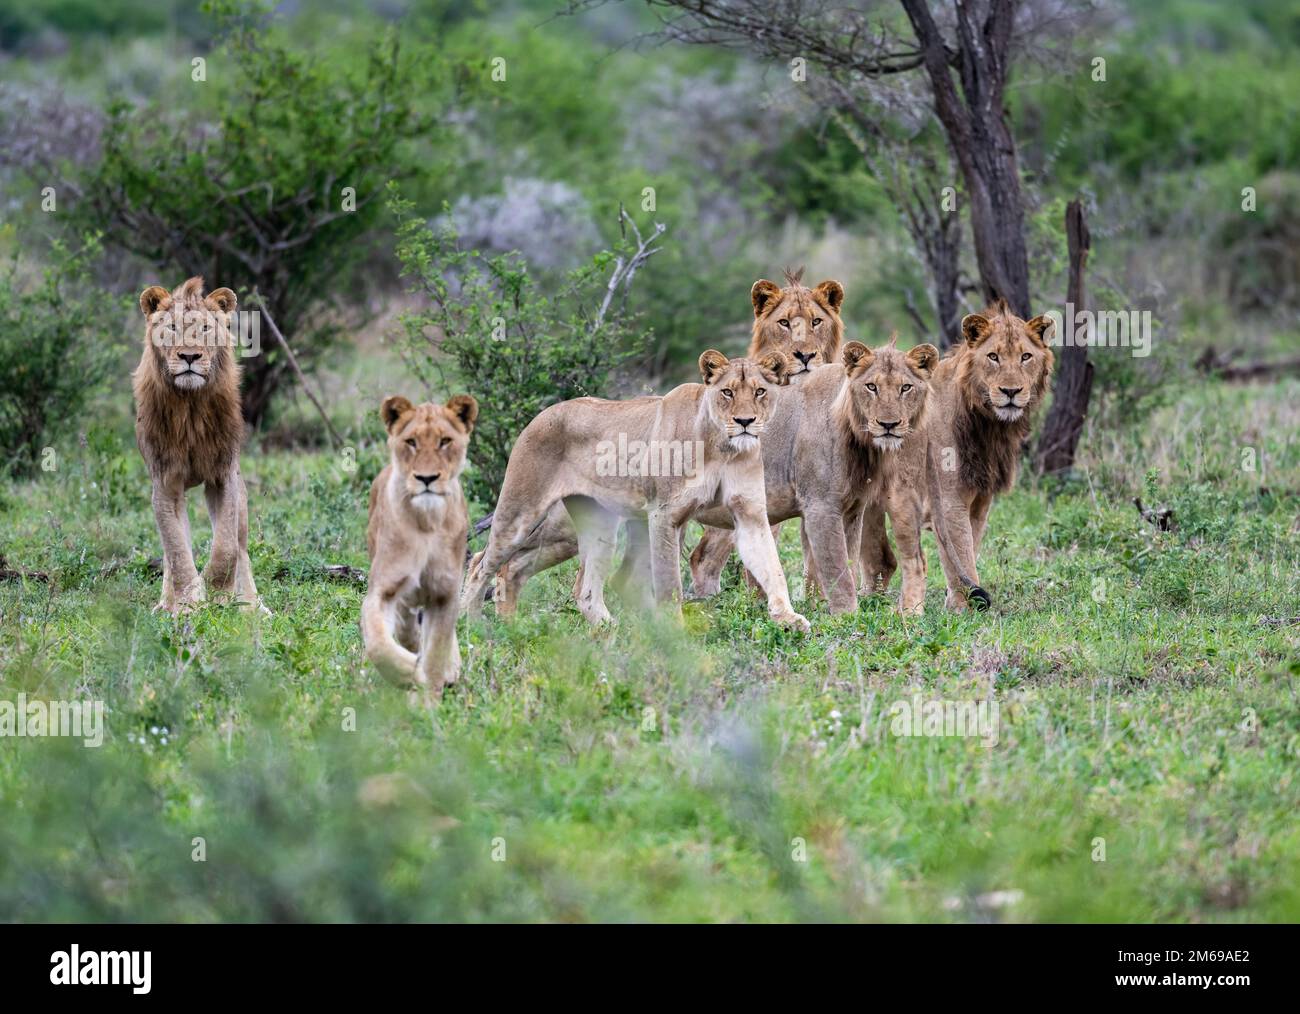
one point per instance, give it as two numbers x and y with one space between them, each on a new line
56 338
515 348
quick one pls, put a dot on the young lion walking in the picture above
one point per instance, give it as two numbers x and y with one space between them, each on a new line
419 526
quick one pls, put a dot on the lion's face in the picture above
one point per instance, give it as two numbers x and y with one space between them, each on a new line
1006 362
803 323
427 445
188 332
888 389
737 394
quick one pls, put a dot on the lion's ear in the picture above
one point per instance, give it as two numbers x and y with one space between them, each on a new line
1039 326
763 294
222 299
393 408
831 293
856 356
712 363
975 328
923 358
464 408
152 298
777 367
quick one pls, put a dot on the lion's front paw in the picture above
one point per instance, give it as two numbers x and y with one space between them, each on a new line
184 601
792 620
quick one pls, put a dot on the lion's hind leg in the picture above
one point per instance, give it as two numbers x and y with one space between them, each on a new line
245 586
878 562
222 497
551 545
708 559
597 531
513 526
632 580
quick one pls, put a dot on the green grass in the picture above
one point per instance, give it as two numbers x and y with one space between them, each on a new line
1146 684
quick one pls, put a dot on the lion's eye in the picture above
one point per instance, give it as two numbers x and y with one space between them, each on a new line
993 357
444 442
871 388
726 392
784 323
759 392
1026 357
817 322
905 388
410 442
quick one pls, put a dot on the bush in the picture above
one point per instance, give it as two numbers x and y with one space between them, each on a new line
515 348
55 339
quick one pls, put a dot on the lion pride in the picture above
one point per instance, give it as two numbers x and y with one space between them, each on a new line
801 323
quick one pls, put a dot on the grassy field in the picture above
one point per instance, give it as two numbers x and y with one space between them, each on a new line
1145 766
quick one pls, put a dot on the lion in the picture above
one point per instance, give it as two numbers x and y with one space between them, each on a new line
802 323
665 459
416 537
189 429
985 393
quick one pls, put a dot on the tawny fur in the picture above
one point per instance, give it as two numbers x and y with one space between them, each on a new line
189 430
800 322
416 537
557 460
803 323
828 457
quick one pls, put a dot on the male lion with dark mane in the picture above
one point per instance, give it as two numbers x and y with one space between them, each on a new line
985 392
189 429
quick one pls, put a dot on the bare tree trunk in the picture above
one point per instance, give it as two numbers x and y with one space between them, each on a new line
1073 388
976 123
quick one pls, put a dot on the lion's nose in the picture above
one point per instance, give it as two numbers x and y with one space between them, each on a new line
190 357
744 423
887 426
429 480
804 357
1010 392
